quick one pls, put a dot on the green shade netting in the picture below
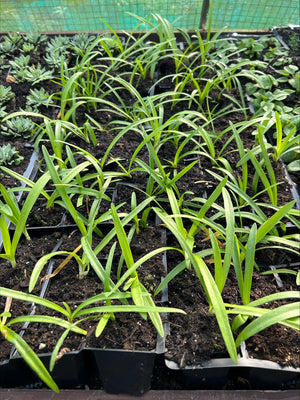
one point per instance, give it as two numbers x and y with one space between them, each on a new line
86 15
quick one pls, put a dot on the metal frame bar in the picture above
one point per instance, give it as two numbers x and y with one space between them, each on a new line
204 14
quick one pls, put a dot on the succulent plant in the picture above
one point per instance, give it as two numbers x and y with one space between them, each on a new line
37 98
35 38
27 47
18 126
17 76
2 112
81 41
7 47
55 58
9 156
38 73
20 62
10 43
58 43
6 94
18 67
14 37
21 70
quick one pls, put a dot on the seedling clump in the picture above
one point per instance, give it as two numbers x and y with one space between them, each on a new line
18 126
9 156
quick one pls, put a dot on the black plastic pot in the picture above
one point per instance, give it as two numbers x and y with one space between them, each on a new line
222 373
70 371
249 373
114 370
267 375
117 371
217 374
122 371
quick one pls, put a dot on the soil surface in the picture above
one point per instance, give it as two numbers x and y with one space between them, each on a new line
291 36
194 338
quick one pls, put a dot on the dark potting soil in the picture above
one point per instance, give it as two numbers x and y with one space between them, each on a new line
66 287
126 146
26 151
285 351
27 254
195 337
292 38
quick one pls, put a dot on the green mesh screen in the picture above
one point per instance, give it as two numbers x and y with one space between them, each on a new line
86 15
255 14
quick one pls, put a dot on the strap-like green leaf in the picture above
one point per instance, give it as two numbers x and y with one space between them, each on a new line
274 316
29 357
269 224
32 299
46 319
